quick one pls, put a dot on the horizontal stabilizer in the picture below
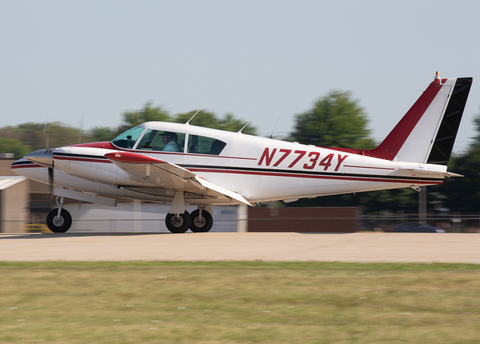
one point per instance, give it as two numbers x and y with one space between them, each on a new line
424 173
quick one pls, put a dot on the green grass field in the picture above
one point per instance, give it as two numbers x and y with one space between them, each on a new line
239 302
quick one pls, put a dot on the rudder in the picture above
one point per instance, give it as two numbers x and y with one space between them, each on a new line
427 132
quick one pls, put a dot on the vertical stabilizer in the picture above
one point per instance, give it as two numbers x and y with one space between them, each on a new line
427 132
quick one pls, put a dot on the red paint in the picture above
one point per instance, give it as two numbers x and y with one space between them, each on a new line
26 166
100 160
389 148
300 155
104 145
285 152
362 179
133 158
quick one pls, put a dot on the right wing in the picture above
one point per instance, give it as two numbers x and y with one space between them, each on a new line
164 174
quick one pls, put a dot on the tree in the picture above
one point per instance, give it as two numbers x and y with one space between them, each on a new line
230 123
335 121
99 134
148 113
338 121
209 120
476 122
202 119
9 145
40 136
463 194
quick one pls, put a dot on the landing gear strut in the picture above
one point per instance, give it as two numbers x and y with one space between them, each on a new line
59 220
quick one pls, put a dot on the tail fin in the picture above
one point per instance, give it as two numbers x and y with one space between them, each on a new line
427 132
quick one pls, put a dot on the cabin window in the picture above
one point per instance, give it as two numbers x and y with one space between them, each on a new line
205 145
166 141
128 138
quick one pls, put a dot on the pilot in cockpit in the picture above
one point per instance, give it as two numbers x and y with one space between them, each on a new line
170 139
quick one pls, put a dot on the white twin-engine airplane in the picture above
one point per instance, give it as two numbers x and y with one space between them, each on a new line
185 164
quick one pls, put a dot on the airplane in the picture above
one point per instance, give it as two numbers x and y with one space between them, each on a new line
186 164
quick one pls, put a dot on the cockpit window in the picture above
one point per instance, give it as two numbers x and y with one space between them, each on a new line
205 145
166 141
128 138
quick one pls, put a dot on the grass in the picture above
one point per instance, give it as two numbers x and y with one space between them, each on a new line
238 302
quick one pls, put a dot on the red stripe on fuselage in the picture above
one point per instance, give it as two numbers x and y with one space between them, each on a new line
291 175
103 145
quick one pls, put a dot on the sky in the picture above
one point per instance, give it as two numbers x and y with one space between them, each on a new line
85 62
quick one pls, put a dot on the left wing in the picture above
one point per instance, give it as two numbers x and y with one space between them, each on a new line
164 174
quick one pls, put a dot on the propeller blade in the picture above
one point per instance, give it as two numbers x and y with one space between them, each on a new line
50 179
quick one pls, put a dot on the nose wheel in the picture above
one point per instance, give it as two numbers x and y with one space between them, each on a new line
59 223
59 220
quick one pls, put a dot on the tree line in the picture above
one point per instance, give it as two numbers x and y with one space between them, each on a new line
335 120
28 137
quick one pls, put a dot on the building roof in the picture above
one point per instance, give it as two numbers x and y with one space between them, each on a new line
6 182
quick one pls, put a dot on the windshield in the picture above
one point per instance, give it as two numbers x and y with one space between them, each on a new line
128 138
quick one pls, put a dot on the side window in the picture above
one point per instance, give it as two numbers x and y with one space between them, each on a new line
165 141
205 145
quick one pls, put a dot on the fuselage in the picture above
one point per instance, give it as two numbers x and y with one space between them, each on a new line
259 169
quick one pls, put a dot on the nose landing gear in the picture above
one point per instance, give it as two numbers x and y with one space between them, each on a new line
59 220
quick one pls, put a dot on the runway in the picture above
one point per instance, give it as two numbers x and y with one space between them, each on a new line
355 247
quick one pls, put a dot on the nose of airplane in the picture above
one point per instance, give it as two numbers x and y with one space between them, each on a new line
43 157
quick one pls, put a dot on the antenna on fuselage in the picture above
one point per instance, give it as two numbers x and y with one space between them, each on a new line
45 133
81 129
273 130
240 131
188 122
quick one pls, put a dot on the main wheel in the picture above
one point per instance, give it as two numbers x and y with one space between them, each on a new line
178 223
59 224
201 224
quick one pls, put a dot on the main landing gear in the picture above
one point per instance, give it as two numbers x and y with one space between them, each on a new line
198 221
178 220
59 220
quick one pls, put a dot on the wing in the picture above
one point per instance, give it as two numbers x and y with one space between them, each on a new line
163 174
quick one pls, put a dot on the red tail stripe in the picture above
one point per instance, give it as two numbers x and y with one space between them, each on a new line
389 148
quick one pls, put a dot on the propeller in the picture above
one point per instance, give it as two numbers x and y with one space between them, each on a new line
50 179
47 151
44 157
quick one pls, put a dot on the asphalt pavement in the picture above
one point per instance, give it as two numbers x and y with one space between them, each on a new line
355 247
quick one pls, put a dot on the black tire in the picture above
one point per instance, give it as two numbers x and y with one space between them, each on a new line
178 225
203 224
62 224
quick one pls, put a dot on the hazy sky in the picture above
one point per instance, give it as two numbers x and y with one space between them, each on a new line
95 59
